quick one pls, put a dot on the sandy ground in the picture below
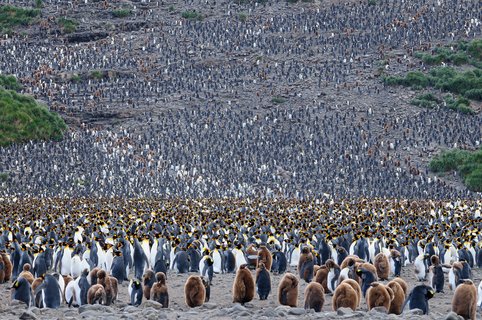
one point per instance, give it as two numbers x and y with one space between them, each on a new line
220 305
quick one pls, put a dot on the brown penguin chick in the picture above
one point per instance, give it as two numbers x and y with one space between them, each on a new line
350 261
2 271
464 302
110 286
92 277
305 256
194 291
288 290
8 266
252 255
67 279
36 282
148 279
115 287
314 296
344 297
26 273
356 286
403 284
96 294
435 260
368 266
264 255
243 286
382 266
321 276
398 297
315 269
159 290
457 268
379 295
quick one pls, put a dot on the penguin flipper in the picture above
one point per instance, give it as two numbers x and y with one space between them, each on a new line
407 301
284 297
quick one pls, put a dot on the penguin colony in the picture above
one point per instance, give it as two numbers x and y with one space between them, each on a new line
149 125
81 258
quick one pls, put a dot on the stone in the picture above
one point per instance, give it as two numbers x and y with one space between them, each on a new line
453 316
150 304
296 311
378 310
417 312
236 308
95 307
209 306
130 309
344 311
28 315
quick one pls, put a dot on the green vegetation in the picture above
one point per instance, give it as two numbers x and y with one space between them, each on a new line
426 101
459 104
11 17
10 83
23 119
4 176
75 78
243 17
68 25
121 13
467 164
96 74
372 2
459 54
171 9
430 101
464 85
192 15
39 3
278 100
444 78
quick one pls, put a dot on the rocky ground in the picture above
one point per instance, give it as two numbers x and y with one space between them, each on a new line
221 307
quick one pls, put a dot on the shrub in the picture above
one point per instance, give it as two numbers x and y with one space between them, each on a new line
474 48
278 100
75 78
460 104
474 94
473 181
121 13
23 119
191 15
243 17
4 176
11 17
96 74
426 101
68 25
10 83
468 164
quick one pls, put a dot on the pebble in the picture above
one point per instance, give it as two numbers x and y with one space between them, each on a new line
210 306
95 308
453 316
28 315
151 304
130 309
296 311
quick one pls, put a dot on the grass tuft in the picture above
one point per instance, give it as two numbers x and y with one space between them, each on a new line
22 119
